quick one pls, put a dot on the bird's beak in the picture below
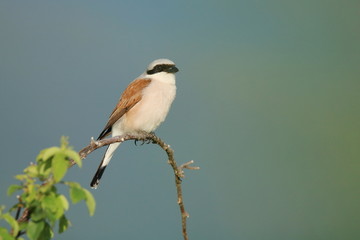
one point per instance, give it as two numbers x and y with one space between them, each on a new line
173 69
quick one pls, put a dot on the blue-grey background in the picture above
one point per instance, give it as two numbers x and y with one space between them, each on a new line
267 105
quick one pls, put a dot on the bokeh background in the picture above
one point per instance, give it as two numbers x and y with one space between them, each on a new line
267 105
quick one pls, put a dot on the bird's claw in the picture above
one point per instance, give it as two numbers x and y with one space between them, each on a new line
143 141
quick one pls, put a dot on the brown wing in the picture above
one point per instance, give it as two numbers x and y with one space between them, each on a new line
130 97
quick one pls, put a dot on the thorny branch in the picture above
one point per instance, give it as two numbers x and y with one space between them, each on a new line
144 136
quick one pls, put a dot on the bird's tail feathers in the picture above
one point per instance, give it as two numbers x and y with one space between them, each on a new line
96 179
105 161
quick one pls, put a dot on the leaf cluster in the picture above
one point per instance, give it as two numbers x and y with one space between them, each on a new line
42 206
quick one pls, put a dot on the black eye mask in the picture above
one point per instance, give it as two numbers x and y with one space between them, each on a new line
169 68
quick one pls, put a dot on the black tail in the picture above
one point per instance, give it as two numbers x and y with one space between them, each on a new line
99 172
96 179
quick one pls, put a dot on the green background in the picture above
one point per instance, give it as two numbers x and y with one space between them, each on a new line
267 105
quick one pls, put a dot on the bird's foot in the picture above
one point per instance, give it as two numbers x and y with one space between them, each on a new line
145 140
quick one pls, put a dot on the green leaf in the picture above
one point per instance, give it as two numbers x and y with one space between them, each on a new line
59 207
47 188
72 184
77 193
44 169
54 206
13 188
59 166
21 177
47 153
48 202
46 233
23 225
37 214
71 154
64 202
31 192
31 171
90 202
64 224
12 222
5 235
34 229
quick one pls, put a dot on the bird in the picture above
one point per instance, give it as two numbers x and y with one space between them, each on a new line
143 106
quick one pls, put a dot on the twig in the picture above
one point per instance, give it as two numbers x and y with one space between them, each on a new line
144 136
20 206
25 216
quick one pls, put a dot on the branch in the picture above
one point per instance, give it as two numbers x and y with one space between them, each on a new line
141 136
150 137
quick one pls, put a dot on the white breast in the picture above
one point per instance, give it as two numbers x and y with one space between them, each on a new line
153 107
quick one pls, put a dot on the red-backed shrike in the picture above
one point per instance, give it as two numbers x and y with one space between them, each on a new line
142 107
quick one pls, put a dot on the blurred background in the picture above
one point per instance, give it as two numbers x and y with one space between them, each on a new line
268 106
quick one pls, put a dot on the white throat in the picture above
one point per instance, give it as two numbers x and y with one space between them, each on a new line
164 77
